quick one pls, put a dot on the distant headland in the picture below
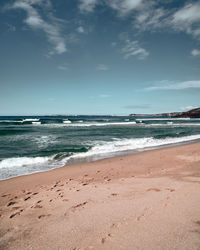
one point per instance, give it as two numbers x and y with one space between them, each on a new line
193 113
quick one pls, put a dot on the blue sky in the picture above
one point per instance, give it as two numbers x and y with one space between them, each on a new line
99 56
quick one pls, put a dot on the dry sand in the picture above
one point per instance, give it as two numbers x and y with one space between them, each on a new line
149 200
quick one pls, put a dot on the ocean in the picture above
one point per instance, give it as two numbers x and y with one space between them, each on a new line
39 143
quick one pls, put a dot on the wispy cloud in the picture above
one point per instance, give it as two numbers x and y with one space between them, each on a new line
176 86
195 52
102 67
151 19
124 7
132 48
187 19
188 108
80 29
87 5
150 16
50 27
63 67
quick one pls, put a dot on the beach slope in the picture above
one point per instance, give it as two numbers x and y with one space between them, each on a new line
149 200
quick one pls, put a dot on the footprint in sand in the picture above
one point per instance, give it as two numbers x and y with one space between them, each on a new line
5 195
11 203
107 179
37 206
43 215
103 240
170 189
15 208
115 225
140 217
114 194
27 198
80 205
17 213
65 200
154 189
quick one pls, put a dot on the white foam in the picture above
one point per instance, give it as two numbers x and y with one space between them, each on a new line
171 124
67 121
23 161
36 123
88 124
121 145
101 124
25 165
163 119
31 120
10 121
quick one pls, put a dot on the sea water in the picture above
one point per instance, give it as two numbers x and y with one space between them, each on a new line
39 143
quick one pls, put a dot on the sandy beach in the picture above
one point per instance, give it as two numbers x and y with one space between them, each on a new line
149 200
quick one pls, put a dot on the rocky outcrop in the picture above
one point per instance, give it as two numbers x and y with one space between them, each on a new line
194 113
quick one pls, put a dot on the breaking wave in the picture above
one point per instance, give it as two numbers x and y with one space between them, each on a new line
102 149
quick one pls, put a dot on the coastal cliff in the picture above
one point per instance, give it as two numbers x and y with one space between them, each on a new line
193 113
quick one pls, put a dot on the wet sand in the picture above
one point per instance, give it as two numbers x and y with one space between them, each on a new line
149 200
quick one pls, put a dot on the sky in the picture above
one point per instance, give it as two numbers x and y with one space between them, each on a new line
99 56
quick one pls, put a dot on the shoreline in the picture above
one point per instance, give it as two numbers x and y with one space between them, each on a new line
96 158
115 156
148 200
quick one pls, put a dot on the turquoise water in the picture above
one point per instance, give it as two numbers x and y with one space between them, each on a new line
34 144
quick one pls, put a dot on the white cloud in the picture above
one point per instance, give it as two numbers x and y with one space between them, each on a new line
52 29
150 19
63 67
102 67
188 108
87 5
80 29
188 14
124 6
187 19
149 16
195 52
176 86
132 48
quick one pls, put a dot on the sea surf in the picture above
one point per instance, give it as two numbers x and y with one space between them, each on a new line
35 144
